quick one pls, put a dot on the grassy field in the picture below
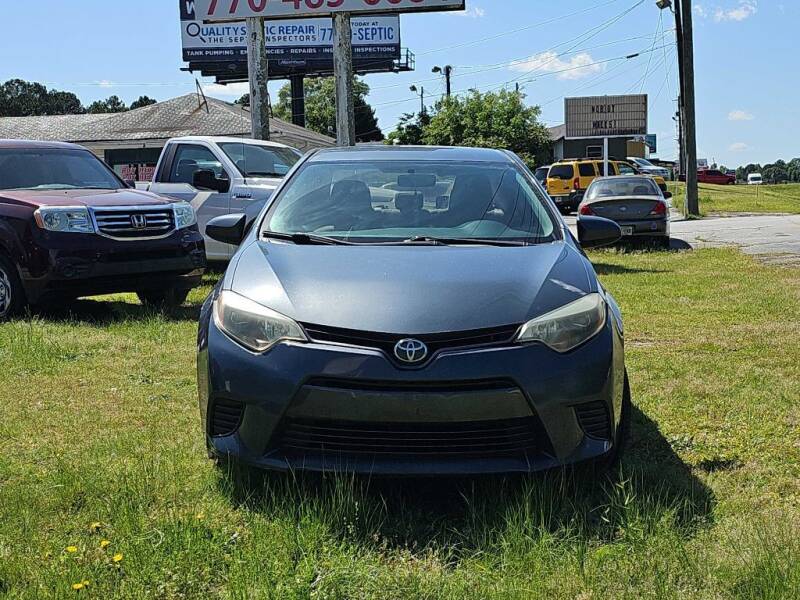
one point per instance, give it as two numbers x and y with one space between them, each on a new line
104 484
720 199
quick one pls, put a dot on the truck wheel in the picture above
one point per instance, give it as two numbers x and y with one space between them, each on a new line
167 298
12 296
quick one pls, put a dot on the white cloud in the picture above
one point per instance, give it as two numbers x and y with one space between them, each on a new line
579 66
740 115
105 83
738 147
745 10
700 11
233 90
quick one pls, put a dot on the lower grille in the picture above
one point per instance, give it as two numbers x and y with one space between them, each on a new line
593 419
133 223
226 416
489 439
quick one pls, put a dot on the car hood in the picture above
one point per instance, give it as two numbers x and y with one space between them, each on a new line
410 289
89 198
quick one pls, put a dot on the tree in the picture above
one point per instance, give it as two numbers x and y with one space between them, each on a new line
112 104
244 100
142 102
410 130
321 109
20 98
493 120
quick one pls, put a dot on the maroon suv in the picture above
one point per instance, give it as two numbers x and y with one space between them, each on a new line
69 227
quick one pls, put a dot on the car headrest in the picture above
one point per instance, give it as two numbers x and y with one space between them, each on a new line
642 190
409 201
351 194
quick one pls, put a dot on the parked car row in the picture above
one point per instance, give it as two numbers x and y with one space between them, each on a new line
382 307
70 227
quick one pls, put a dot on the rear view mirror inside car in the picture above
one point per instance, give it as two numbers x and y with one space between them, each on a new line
416 180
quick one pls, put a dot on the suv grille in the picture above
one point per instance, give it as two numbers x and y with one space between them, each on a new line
226 417
593 419
436 342
133 223
487 439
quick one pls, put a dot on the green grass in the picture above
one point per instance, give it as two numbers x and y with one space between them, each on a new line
100 425
721 199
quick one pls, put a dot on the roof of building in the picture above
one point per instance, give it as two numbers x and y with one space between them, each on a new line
557 133
183 116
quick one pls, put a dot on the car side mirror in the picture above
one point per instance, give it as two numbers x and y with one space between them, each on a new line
667 195
594 232
208 180
228 229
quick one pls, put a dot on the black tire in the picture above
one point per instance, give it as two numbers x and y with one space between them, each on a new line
167 298
12 294
665 243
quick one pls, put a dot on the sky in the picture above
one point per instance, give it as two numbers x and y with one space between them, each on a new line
745 61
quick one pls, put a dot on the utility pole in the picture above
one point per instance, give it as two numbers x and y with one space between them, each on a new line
681 86
447 71
690 131
258 74
298 100
343 75
421 91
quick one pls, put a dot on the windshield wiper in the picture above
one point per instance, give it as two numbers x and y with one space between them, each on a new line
437 241
305 239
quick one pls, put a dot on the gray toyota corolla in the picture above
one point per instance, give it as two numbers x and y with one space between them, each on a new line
411 311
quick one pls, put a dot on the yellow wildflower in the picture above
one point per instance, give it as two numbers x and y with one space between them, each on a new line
95 526
72 549
117 557
104 544
200 516
80 585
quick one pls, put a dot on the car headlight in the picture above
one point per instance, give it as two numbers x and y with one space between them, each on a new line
569 326
64 219
252 325
184 215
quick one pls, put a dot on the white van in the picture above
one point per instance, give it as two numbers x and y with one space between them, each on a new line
754 179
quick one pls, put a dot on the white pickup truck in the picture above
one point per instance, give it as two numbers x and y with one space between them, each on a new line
220 176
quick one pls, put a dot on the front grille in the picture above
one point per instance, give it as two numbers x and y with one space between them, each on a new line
133 223
486 439
226 415
436 342
593 419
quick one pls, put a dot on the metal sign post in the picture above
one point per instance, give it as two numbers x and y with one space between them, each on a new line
258 70
343 74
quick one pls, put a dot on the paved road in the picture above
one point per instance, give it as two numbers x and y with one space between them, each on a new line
754 234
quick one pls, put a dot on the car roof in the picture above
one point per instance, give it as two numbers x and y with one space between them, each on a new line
432 153
626 177
38 144
221 139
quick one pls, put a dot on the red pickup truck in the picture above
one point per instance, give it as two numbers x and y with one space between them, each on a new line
713 176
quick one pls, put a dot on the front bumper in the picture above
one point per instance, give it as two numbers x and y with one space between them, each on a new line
77 265
321 407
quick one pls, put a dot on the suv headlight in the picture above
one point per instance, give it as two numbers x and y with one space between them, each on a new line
184 215
252 325
569 326
64 219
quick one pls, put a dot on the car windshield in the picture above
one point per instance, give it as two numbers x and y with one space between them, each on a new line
411 201
643 162
54 169
254 160
624 186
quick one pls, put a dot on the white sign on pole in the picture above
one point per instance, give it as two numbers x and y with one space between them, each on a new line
229 10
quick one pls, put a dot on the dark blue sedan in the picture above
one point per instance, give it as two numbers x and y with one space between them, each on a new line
412 311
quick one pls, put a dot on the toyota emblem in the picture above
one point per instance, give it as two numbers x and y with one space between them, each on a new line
410 351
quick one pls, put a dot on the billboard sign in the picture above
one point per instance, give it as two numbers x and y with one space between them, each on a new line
231 10
297 41
606 116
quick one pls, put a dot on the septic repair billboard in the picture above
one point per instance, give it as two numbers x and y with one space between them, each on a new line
605 116
229 10
374 38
